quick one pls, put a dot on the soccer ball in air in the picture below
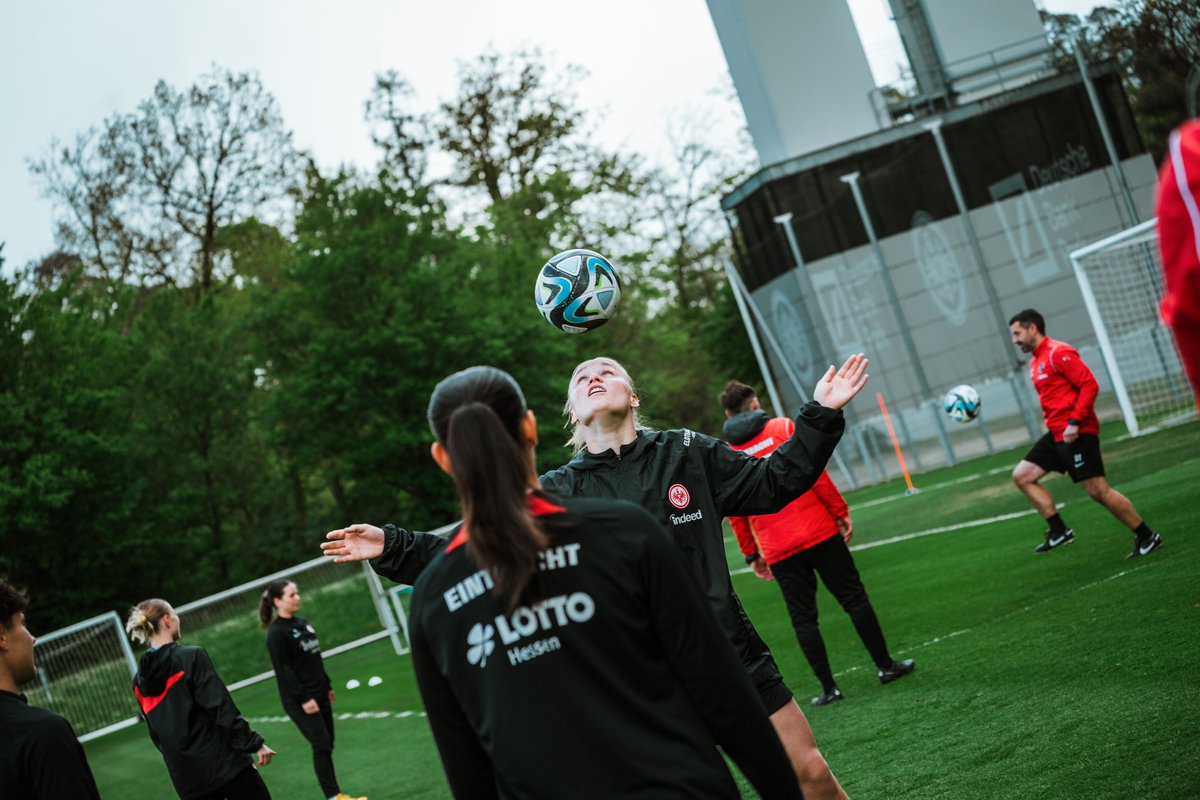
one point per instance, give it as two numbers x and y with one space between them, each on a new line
962 403
577 291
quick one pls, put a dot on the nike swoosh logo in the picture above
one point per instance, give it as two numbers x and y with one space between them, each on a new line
1147 550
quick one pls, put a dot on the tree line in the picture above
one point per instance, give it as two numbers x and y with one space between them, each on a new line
1156 44
231 350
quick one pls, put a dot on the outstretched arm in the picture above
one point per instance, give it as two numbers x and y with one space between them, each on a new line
359 542
394 553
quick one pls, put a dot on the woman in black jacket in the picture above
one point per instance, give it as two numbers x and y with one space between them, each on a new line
304 688
204 740
560 645
688 482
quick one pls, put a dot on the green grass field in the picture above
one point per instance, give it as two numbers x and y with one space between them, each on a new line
1067 675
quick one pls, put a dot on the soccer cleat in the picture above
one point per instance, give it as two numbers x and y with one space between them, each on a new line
344 796
1054 540
1145 548
825 698
897 670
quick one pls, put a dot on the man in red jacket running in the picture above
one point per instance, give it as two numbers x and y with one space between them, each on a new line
805 539
1067 391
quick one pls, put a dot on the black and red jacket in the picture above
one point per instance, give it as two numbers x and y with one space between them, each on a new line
613 683
204 739
688 482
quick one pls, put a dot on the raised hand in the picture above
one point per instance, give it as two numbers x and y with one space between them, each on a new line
836 388
354 543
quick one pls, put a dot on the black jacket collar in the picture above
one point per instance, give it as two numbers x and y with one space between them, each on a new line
586 459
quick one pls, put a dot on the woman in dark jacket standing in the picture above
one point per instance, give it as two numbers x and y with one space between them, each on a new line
203 738
304 687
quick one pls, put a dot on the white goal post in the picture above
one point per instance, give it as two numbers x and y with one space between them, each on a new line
344 602
85 670
1122 285
84 673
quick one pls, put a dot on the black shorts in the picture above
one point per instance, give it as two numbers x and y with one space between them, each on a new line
1080 459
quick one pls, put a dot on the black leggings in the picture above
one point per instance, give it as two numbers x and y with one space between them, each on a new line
797 579
246 785
318 729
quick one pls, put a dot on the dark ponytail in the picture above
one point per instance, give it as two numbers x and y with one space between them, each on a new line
266 605
477 415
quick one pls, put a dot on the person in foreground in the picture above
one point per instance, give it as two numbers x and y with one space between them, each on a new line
1067 391
40 758
806 539
205 741
561 647
304 687
688 482
1177 207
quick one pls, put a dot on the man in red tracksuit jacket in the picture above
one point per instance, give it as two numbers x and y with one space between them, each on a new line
806 539
1178 208
1067 390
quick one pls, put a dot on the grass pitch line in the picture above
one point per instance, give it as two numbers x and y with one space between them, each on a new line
933 641
974 523
1010 614
344 716
920 490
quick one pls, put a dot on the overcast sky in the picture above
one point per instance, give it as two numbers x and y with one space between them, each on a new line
67 64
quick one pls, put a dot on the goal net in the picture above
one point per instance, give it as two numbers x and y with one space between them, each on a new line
83 673
344 603
1122 284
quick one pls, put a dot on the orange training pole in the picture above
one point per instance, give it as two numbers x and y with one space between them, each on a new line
895 443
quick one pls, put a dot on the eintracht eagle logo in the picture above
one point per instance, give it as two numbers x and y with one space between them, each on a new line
679 496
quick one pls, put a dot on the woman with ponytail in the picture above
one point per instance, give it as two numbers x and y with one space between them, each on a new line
688 482
209 748
561 647
304 688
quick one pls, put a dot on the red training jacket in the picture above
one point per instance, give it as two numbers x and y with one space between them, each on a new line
1178 207
806 521
1065 386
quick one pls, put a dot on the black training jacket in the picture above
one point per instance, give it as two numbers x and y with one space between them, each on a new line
614 684
296 656
204 739
688 481
40 758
